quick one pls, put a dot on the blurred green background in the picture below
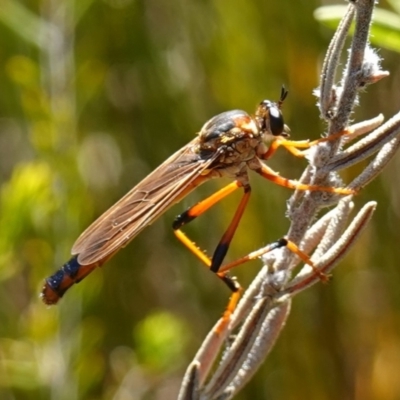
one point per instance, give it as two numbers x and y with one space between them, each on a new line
94 95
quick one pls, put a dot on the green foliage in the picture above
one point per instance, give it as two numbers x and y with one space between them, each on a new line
385 30
27 205
160 340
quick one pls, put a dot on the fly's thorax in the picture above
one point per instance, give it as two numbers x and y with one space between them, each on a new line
234 135
238 151
226 128
235 171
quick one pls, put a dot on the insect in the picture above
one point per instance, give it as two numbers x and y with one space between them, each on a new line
228 145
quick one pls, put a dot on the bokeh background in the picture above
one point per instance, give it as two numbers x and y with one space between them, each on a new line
94 95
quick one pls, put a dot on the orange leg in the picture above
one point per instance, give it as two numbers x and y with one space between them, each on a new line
193 212
257 254
214 263
293 146
271 175
272 246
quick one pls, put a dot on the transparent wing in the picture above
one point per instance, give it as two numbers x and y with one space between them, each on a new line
166 185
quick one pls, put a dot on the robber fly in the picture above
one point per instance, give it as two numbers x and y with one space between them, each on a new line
228 145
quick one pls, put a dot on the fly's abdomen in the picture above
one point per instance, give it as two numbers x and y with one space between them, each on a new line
57 284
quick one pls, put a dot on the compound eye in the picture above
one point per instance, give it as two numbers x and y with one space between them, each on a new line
276 122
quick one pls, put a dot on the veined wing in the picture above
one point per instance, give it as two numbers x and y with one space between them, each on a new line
142 205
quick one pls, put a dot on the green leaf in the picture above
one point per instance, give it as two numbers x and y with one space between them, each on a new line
23 22
385 30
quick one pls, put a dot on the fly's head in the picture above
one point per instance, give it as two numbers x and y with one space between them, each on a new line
269 118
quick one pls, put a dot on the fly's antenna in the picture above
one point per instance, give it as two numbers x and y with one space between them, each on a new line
283 96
